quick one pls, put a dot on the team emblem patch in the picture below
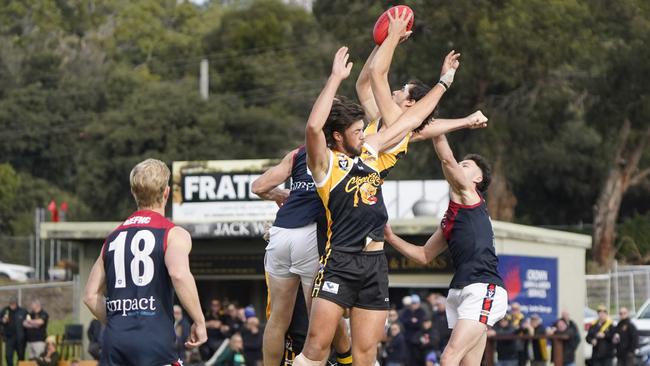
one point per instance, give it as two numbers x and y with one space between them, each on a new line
368 194
330 287
343 164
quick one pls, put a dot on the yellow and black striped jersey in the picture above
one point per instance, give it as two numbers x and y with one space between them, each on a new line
351 195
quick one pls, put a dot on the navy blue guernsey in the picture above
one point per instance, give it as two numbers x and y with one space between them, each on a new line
140 295
303 206
470 238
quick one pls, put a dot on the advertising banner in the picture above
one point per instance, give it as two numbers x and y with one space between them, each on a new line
532 282
220 191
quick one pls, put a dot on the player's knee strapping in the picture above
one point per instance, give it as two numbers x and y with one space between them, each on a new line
301 360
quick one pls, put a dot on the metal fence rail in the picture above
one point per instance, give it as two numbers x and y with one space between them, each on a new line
627 286
59 299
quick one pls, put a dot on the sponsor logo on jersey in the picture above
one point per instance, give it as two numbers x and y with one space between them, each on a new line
303 186
132 307
331 287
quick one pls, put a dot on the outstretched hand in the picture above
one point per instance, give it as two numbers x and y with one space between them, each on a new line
449 67
398 21
450 62
341 67
477 120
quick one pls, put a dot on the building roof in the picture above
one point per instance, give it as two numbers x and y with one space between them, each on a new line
423 225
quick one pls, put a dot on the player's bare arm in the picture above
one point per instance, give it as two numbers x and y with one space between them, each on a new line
316 145
414 116
364 89
266 185
462 188
380 65
443 126
422 254
95 290
178 266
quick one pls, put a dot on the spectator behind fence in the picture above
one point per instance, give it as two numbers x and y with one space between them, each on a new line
569 345
252 337
232 355
12 318
49 357
182 330
233 319
396 349
95 338
214 326
626 339
430 303
411 318
540 349
506 348
35 330
572 326
427 341
600 336
519 322
439 323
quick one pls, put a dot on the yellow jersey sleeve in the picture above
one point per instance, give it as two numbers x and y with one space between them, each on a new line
372 127
385 160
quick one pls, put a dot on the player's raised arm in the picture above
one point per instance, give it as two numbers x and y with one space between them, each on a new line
380 65
364 89
421 254
443 126
95 290
178 266
453 172
315 142
414 116
266 185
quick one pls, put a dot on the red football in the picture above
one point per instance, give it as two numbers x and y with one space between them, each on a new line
380 32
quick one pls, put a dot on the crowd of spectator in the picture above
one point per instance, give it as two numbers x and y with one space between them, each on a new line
234 336
416 334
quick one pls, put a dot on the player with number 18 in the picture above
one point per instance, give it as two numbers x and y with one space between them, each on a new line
131 286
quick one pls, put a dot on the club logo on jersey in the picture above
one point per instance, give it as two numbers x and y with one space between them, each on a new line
331 287
368 193
364 188
343 164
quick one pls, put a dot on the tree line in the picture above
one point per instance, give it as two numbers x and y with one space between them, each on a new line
88 88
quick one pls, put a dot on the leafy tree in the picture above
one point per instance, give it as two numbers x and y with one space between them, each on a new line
9 183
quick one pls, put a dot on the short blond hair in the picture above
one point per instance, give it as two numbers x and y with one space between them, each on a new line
149 179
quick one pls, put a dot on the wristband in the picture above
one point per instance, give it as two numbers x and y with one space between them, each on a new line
448 77
444 85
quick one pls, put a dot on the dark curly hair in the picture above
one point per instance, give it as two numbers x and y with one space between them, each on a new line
486 171
343 114
417 91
